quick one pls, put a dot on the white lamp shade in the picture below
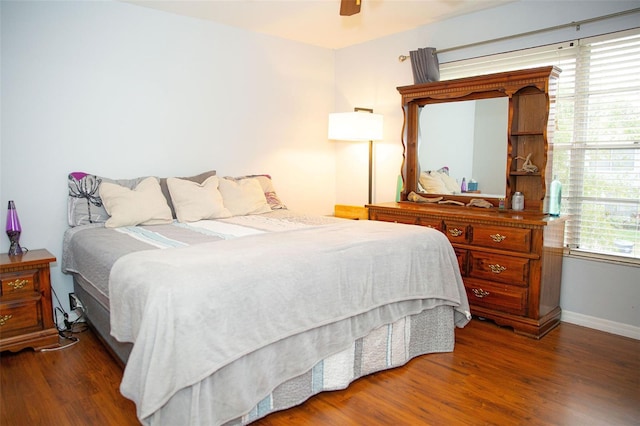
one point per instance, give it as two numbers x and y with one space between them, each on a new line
355 126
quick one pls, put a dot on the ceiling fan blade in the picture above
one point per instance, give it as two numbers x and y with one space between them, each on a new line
349 7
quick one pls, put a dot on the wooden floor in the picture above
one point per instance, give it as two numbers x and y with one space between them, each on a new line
573 376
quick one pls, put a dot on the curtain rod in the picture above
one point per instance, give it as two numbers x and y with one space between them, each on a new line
577 24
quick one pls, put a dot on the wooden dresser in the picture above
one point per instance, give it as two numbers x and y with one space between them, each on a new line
26 314
511 262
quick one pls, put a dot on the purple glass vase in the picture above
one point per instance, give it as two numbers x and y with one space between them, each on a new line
13 230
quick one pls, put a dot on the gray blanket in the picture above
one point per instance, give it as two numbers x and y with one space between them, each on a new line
233 308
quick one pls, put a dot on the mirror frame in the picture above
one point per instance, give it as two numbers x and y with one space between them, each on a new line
471 88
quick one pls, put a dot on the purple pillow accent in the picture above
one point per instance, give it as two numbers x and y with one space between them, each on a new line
77 175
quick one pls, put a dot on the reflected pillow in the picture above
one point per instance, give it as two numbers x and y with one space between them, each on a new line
197 201
450 183
244 196
143 205
432 183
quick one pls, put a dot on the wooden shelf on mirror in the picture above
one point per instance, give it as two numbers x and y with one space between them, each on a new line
523 173
527 133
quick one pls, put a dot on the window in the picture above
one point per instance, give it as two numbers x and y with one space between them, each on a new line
596 140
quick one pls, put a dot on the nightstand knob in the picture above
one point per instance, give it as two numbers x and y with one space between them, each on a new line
4 319
17 284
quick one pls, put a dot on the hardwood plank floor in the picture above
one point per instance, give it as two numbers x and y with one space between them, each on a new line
573 376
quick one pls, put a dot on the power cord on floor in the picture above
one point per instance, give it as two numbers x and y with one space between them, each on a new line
70 327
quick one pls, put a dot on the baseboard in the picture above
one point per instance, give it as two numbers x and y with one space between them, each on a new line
601 324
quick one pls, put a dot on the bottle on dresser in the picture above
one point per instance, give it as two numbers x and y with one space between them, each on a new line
555 197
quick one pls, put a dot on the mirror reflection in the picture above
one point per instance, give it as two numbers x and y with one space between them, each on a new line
469 138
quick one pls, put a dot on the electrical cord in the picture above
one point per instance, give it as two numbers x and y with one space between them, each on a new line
70 327
74 340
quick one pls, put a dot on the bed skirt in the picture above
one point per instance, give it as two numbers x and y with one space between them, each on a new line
386 347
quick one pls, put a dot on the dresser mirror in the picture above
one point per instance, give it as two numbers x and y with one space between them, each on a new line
506 123
470 138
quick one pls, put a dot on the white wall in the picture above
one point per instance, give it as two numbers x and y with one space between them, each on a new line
122 91
367 75
601 295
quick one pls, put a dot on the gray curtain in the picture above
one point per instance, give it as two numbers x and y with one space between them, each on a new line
425 66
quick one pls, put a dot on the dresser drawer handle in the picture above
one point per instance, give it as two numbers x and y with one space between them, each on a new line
17 284
4 319
497 269
497 238
480 293
456 232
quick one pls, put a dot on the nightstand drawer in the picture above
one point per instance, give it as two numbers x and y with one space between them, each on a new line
26 311
20 318
502 297
18 283
494 267
512 239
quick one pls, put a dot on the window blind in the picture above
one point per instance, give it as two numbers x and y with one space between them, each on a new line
596 139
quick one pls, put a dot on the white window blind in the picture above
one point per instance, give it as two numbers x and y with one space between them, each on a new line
597 136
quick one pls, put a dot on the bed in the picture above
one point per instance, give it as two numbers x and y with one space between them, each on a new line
222 318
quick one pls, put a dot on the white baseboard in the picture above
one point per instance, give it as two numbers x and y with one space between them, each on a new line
601 324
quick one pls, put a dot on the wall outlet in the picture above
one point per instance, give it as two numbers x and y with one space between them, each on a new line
73 301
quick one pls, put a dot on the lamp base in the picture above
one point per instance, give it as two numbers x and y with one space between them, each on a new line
14 248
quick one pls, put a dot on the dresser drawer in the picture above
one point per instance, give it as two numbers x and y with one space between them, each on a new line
494 267
513 239
18 283
390 217
457 232
18 318
430 222
501 297
411 220
462 255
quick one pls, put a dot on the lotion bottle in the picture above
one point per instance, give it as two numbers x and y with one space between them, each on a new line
555 197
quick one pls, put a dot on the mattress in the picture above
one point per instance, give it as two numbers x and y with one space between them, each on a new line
102 260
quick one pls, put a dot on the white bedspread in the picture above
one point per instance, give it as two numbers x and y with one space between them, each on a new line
194 311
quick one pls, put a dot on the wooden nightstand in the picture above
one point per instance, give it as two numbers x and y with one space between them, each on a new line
26 313
351 212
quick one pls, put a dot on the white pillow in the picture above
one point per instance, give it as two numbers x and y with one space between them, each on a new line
451 184
432 183
197 201
244 196
143 205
